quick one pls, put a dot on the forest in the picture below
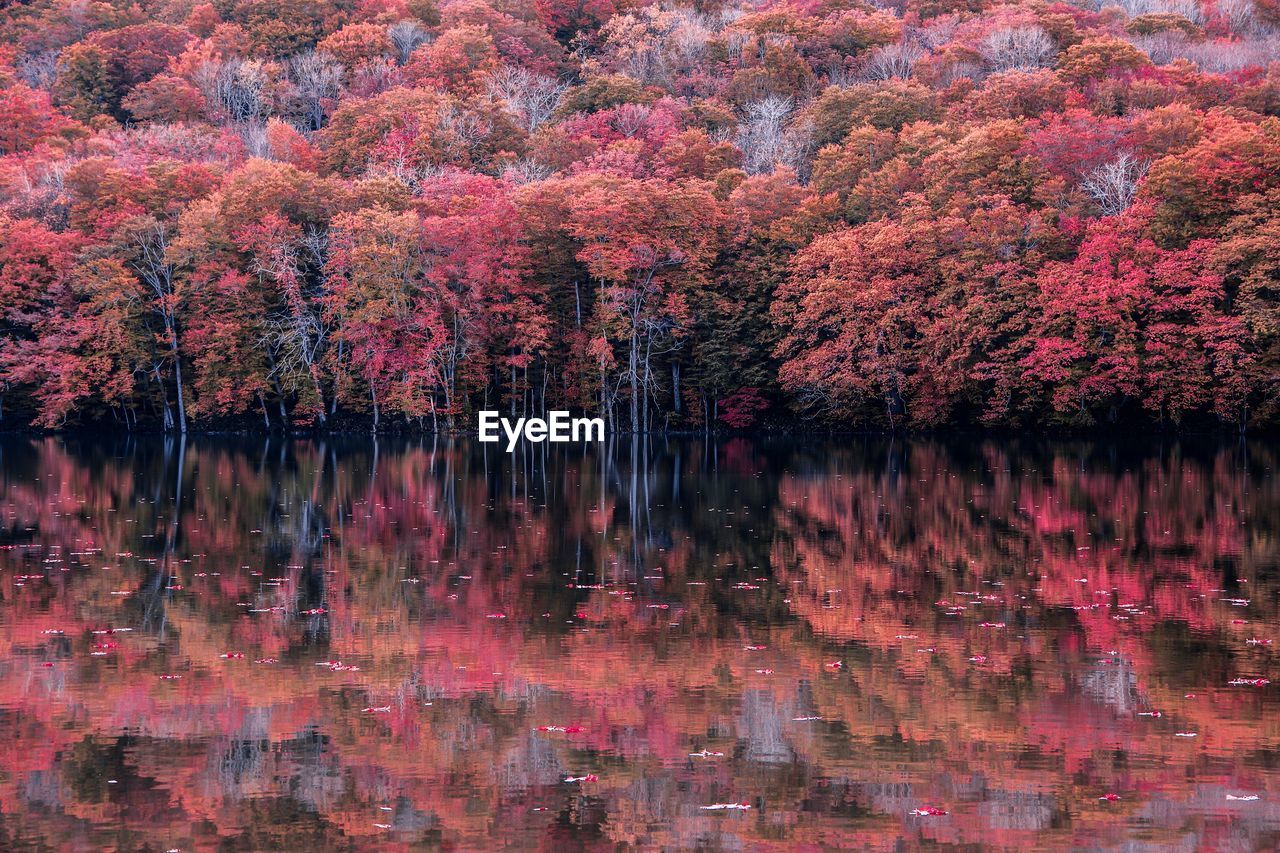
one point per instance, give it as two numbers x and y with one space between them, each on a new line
835 214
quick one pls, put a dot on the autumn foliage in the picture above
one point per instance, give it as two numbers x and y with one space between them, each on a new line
308 213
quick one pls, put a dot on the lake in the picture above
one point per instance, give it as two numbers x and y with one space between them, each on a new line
347 644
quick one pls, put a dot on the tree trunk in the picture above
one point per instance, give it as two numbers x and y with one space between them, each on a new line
648 377
166 413
333 405
633 372
315 383
177 373
284 412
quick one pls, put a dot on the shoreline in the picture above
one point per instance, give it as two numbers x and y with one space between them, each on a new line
1062 433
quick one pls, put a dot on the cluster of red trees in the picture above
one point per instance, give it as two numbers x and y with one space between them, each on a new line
309 212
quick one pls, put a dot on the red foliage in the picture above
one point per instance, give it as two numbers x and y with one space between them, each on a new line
1014 215
743 407
27 117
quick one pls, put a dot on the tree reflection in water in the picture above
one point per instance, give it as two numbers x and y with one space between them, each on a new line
335 642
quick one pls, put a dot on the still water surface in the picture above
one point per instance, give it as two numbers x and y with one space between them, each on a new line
348 645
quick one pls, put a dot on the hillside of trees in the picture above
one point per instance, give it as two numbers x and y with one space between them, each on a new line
835 213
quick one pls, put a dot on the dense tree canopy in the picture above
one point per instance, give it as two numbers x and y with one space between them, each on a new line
908 213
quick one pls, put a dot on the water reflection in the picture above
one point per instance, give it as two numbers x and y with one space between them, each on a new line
321 644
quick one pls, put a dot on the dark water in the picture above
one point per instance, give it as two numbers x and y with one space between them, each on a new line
338 645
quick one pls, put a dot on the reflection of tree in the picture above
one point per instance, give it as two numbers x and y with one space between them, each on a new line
483 595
